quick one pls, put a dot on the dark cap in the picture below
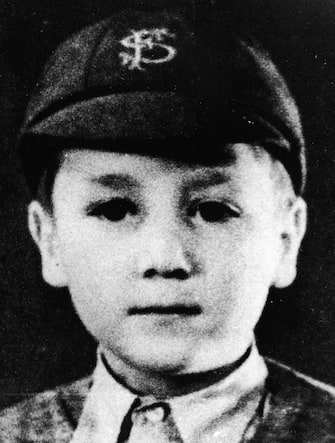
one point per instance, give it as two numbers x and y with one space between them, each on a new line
153 82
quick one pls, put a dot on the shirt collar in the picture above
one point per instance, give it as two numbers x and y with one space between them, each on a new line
108 402
238 393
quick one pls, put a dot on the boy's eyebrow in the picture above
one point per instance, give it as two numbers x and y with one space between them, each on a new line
207 179
116 181
198 181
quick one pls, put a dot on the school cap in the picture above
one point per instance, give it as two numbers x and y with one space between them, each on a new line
163 83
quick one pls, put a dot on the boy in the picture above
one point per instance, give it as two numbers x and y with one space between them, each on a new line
166 158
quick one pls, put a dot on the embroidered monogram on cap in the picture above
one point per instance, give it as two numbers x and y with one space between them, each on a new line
147 40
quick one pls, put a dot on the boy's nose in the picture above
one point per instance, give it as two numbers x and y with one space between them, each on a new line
166 254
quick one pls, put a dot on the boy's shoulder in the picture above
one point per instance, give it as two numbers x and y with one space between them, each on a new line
297 409
296 391
50 416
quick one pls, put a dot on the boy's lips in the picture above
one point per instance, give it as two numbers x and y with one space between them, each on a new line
176 309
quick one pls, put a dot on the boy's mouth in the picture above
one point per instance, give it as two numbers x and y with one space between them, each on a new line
178 309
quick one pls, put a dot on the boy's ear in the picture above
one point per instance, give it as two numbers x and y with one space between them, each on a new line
43 230
294 228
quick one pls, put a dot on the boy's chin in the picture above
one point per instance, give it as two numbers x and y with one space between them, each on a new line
150 356
172 357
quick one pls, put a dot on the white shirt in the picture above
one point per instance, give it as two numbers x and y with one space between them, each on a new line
220 412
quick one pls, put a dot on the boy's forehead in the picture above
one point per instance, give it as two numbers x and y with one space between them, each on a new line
89 174
100 166
168 158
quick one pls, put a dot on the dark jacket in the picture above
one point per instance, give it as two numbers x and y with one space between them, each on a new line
295 409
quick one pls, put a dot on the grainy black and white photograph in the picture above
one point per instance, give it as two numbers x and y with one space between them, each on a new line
167 186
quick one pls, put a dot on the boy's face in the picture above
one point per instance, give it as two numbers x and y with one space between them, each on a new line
168 265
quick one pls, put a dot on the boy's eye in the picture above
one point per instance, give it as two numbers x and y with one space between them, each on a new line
213 211
115 209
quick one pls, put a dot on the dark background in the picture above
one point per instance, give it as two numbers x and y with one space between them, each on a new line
41 341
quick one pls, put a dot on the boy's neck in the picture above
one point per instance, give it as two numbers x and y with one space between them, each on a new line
164 385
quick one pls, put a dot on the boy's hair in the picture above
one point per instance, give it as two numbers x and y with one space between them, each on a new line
41 167
161 84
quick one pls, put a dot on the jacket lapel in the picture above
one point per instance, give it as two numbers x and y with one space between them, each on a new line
71 400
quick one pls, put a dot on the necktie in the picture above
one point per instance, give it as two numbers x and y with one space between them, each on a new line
150 424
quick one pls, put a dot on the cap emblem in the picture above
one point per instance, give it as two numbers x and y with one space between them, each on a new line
145 41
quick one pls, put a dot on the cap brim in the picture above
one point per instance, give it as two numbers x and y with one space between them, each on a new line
140 116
